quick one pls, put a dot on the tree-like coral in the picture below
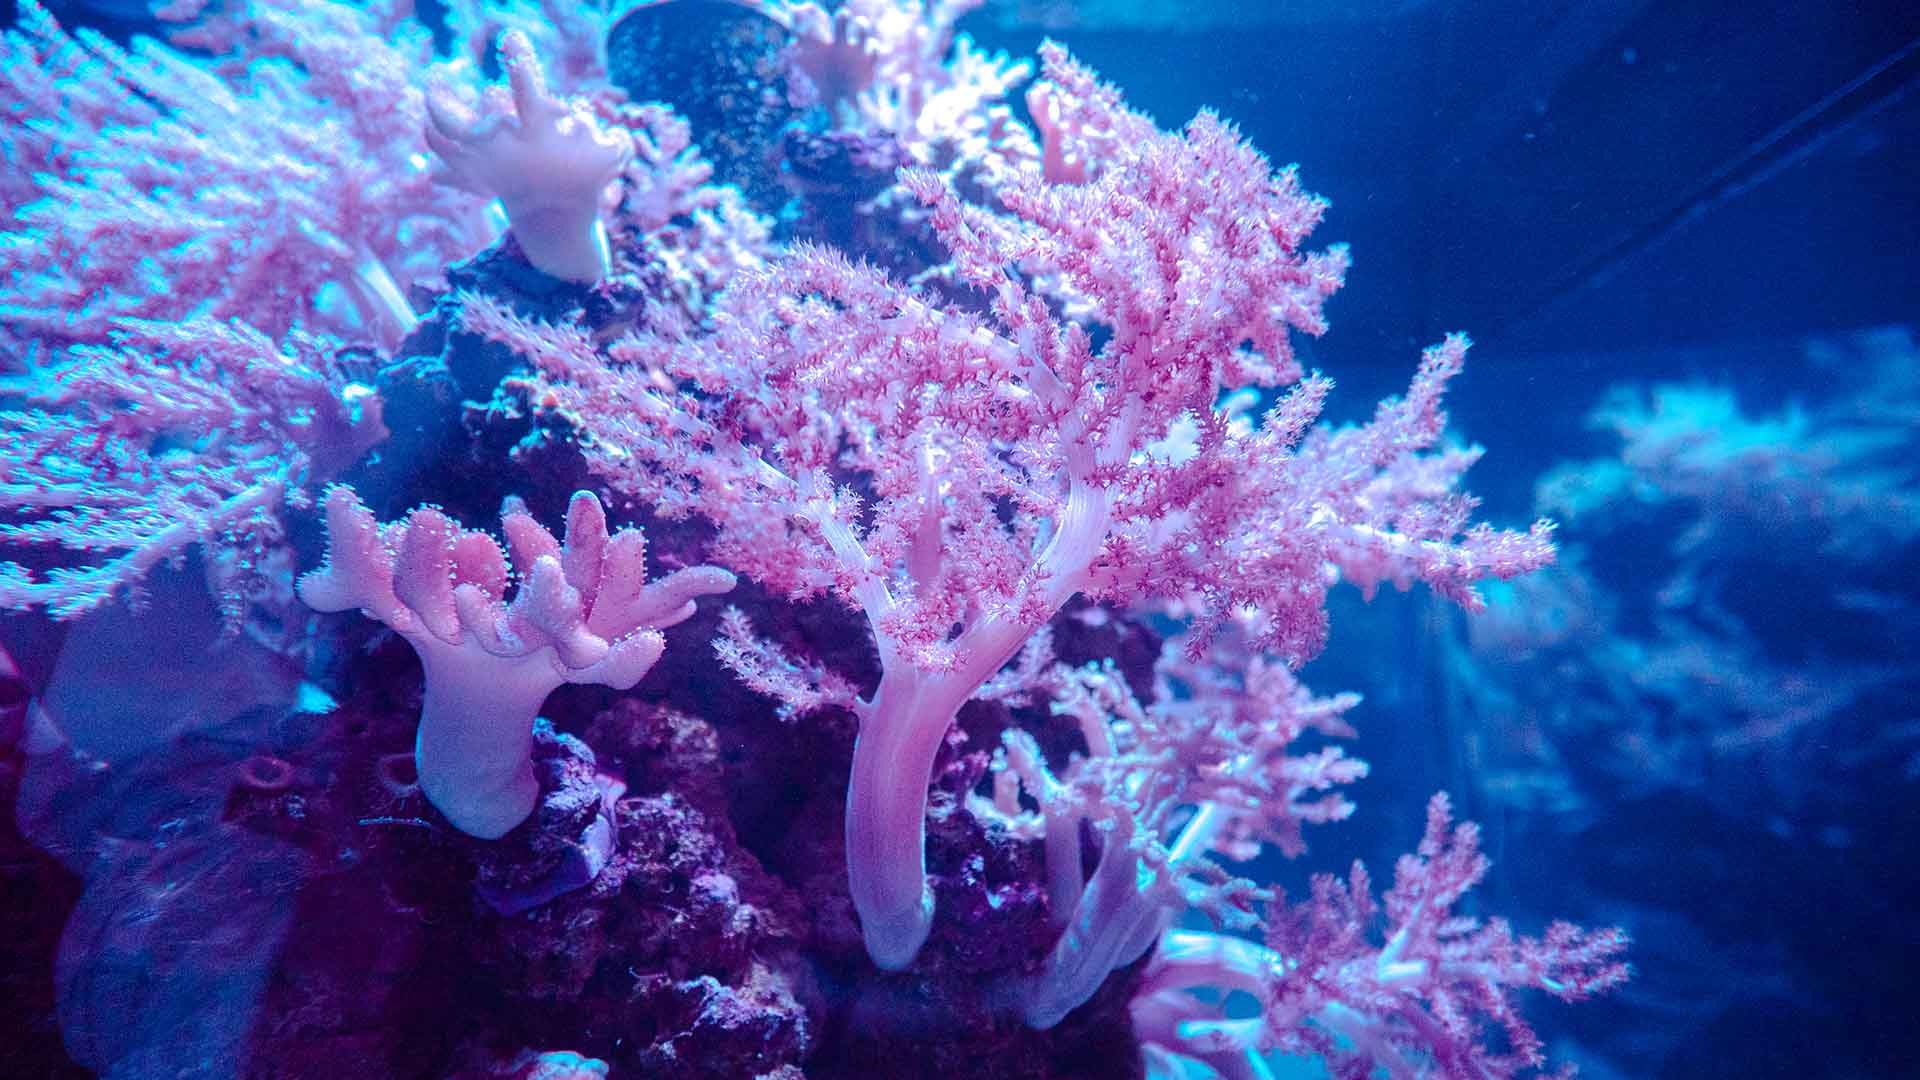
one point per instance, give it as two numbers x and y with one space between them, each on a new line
1203 771
1418 1003
958 477
172 435
584 613
287 189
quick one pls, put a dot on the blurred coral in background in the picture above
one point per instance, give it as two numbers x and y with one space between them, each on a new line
1725 649
1690 676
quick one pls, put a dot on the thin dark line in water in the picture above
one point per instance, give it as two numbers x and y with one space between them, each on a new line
1884 84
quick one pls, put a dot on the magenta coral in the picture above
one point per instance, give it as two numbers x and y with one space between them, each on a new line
1005 464
896 74
570 34
287 191
548 161
1418 1004
798 686
1204 771
703 233
584 613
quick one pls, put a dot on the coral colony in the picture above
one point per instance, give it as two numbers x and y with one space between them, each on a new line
1695 677
933 445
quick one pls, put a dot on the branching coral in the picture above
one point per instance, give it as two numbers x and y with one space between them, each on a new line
1417 1004
800 687
584 613
1205 770
174 434
287 191
1010 464
668 207
548 161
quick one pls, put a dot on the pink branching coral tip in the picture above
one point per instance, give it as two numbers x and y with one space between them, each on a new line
547 160
124 454
835 55
1009 460
1427 1000
1209 768
584 613
254 161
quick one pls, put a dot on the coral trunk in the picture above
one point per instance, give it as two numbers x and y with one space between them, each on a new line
474 768
900 735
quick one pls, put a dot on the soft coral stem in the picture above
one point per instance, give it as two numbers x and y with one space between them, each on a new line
1112 926
901 731
382 306
479 771
900 734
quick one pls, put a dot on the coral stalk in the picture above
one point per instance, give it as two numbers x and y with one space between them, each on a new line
583 614
901 730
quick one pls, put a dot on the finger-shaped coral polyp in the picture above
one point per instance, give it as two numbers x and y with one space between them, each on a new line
583 613
548 161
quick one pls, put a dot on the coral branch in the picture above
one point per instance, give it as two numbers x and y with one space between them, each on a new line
1420 1003
1206 770
283 188
799 687
173 435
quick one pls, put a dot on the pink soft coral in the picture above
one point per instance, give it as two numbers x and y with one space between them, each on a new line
122 456
1211 768
703 233
547 160
958 477
273 175
584 613
897 71
1422 1003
